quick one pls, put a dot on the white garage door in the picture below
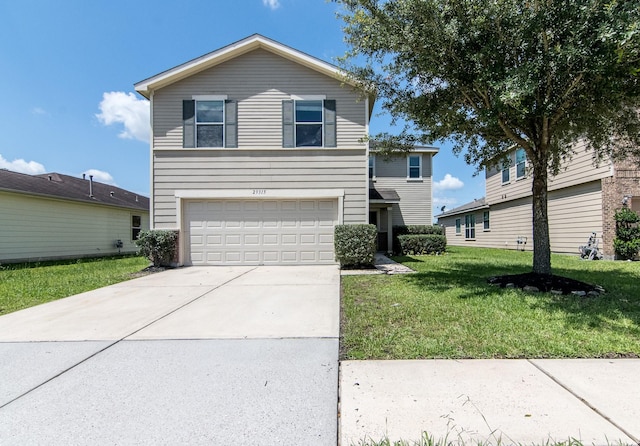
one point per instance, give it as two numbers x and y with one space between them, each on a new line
260 232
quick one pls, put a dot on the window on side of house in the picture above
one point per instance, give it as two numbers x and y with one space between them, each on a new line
485 220
372 167
521 163
414 167
506 175
308 123
470 226
136 226
458 226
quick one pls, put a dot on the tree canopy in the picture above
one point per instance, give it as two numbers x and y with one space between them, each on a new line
493 74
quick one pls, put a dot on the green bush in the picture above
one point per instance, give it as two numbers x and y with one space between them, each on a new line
159 246
627 240
355 245
413 230
419 244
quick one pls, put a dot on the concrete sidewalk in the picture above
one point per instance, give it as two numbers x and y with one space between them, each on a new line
230 355
494 401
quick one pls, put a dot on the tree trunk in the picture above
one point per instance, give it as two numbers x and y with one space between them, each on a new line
541 241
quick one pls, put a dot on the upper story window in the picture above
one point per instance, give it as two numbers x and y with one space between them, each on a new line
521 161
308 122
209 123
372 166
506 175
414 166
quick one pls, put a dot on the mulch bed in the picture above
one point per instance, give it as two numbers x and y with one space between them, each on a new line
546 283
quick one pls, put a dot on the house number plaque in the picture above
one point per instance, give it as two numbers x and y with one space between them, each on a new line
259 191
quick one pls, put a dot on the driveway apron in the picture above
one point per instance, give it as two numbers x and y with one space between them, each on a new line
198 355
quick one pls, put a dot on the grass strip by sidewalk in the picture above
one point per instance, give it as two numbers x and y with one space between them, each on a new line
448 310
26 285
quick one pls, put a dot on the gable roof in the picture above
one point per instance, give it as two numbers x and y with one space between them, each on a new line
61 186
256 41
480 203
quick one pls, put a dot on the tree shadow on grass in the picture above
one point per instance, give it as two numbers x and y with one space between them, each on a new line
617 310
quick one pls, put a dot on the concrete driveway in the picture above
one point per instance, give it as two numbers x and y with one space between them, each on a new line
218 355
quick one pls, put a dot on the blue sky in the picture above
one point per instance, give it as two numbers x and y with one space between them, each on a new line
67 70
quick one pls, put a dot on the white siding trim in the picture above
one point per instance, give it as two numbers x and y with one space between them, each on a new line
151 165
267 194
209 97
309 97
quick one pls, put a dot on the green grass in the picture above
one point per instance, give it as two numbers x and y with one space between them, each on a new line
447 310
26 285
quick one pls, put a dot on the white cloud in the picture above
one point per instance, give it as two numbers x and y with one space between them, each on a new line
22 166
38 111
100 176
272 4
118 107
448 183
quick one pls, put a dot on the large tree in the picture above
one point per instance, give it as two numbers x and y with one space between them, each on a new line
493 74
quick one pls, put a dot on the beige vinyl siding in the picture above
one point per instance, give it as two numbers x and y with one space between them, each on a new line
577 169
258 169
574 213
259 81
37 228
415 206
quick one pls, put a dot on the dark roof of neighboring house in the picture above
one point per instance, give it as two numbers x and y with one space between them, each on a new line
71 188
472 206
384 195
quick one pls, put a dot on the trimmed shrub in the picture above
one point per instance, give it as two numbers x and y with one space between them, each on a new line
627 240
413 230
355 245
159 246
419 244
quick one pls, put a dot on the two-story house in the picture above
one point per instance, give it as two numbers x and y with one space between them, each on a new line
582 199
258 150
257 153
400 191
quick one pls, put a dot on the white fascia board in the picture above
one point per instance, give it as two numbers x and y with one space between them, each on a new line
221 194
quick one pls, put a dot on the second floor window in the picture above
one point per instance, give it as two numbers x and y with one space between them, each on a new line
414 166
308 122
506 175
521 161
372 166
209 123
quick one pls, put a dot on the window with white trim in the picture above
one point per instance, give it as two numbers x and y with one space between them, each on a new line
414 167
372 166
506 175
470 226
521 163
485 221
136 227
309 123
458 226
209 123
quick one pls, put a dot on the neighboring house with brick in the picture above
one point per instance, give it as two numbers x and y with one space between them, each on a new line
582 199
257 152
55 216
400 191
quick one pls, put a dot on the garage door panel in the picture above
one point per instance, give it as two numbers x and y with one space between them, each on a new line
260 231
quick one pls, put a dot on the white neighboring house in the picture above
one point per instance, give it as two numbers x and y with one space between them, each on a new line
55 216
582 199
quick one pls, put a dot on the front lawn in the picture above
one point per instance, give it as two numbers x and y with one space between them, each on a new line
448 310
26 285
